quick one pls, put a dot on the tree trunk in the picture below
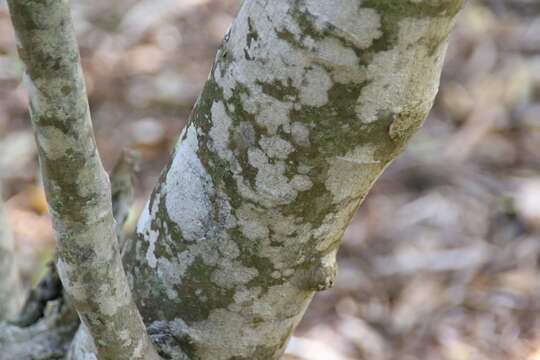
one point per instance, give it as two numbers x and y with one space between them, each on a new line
307 103
77 186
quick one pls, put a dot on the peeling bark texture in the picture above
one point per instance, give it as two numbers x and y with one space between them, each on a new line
10 286
307 103
77 187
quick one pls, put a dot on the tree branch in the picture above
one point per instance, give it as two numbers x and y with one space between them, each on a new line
77 186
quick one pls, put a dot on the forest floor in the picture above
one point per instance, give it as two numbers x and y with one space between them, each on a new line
442 260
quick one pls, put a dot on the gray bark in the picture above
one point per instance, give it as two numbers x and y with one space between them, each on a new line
307 103
77 186
45 327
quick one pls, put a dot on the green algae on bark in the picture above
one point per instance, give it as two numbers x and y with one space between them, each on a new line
77 186
307 102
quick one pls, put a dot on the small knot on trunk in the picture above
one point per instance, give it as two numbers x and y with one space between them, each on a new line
320 274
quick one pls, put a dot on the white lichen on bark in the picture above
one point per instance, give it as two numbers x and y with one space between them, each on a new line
307 103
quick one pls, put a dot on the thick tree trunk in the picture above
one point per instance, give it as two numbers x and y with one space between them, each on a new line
307 103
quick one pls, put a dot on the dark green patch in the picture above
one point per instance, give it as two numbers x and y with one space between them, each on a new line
421 9
252 34
393 11
280 91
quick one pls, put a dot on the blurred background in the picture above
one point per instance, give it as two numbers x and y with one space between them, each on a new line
443 259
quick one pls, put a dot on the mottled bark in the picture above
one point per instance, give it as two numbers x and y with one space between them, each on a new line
307 103
45 327
77 186
10 286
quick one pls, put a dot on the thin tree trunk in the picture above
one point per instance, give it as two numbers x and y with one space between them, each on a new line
77 186
45 327
307 103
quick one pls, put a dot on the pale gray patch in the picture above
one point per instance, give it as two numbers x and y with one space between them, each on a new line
219 133
232 273
300 134
359 25
271 182
403 78
55 143
301 183
353 173
190 204
275 147
316 86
